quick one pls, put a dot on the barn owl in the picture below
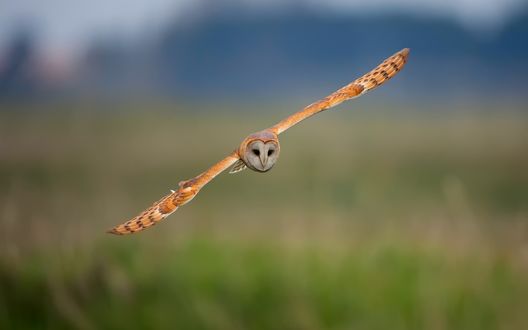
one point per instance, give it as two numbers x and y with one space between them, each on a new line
260 151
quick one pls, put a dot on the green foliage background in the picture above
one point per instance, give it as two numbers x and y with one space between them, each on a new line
370 220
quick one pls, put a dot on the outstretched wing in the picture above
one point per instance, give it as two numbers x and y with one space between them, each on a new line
170 203
383 72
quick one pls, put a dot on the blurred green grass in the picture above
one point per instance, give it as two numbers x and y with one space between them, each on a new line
370 220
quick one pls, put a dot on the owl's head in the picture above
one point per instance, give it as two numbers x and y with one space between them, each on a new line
260 151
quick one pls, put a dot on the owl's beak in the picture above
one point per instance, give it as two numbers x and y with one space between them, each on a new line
263 158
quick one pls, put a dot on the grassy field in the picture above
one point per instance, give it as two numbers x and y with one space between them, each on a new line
370 220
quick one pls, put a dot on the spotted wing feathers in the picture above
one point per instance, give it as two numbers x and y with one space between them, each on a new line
383 72
375 78
170 203
157 212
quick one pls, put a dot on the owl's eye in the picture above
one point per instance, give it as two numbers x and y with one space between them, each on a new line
270 152
256 152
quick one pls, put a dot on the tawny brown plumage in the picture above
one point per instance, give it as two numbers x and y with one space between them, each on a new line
259 151
170 203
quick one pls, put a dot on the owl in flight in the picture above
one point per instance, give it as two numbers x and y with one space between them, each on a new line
260 151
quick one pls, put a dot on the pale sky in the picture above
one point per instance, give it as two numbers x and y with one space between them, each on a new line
70 23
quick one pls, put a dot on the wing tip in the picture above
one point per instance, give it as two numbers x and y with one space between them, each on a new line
114 231
405 53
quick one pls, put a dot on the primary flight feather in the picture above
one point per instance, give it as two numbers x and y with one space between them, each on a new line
260 151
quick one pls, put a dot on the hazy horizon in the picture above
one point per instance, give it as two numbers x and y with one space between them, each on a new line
69 25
